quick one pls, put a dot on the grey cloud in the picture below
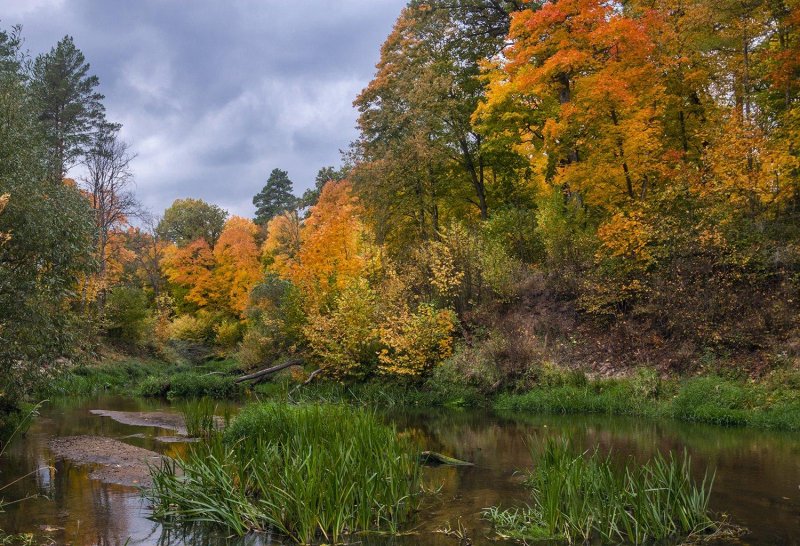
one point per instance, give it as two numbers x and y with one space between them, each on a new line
215 94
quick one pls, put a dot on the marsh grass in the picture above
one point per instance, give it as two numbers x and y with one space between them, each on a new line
198 415
580 497
313 473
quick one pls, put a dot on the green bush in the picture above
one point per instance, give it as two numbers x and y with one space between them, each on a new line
715 400
127 314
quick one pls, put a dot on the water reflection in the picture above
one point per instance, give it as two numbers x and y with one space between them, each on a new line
757 474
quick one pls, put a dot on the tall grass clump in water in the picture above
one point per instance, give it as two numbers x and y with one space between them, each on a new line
312 473
198 414
581 497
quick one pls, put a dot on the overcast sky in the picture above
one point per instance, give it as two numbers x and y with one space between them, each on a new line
214 94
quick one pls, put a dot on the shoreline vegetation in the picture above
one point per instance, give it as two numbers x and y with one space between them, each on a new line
583 497
771 403
313 472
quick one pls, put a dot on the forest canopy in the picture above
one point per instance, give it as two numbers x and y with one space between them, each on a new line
526 173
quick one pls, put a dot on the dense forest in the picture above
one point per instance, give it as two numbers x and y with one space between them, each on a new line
536 184
549 207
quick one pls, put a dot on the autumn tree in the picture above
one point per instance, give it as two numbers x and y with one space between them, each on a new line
334 247
108 182
191 267
283 242
237 266
275 197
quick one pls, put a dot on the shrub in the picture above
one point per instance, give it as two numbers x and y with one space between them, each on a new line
344 340
275 322
228 333
191 328
416 342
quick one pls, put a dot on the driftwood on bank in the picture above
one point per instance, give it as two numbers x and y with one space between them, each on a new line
255 376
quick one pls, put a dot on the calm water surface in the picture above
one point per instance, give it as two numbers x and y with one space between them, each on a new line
757 473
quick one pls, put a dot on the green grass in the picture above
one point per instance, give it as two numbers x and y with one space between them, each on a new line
112 377
584 497
198 414
383 393
190 384
149 378
773 403
311 472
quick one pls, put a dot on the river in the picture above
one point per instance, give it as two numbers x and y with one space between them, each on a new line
757 473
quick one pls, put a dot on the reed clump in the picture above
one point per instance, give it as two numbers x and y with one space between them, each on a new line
583 497
314 473
199 417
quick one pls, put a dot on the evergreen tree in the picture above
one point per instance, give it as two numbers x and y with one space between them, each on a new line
324 175
68 105
275 197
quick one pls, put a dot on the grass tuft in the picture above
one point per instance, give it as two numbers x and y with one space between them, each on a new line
312 473
583 497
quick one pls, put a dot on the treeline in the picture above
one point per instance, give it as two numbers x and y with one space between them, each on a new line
55 234
634 163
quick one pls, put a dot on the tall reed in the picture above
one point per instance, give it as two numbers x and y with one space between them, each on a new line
581 497
313 473
198 415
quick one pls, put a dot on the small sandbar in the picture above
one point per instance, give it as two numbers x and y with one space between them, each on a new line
160 419
117 462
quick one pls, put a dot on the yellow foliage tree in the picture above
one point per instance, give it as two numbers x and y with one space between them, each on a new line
192 266
282 244
333 249
237 267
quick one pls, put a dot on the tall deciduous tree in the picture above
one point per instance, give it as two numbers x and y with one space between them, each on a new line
48 246
68 104
108 182
238 268
187 220
275 197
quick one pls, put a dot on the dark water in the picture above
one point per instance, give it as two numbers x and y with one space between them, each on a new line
757 474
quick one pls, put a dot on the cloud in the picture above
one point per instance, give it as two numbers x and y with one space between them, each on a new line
213 95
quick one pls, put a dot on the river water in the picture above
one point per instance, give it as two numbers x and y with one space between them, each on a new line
757 473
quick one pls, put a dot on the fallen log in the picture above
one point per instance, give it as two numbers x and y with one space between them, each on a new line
431 458
267 371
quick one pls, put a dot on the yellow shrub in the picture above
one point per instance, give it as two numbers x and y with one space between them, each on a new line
190 328
344 340
416 341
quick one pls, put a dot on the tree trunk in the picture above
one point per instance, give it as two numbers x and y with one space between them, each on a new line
267 371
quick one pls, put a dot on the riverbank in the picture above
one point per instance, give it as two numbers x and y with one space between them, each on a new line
755 484
773 402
